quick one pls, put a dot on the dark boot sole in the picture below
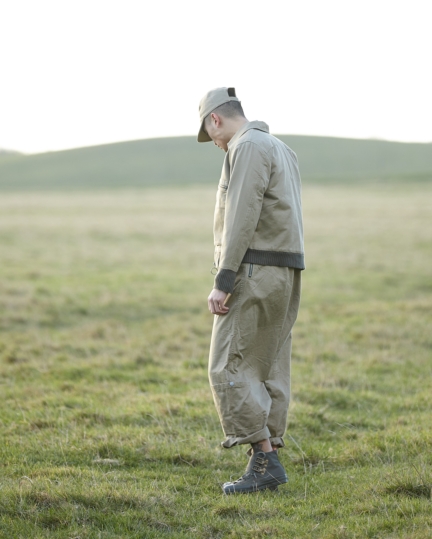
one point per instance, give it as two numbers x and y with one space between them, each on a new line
230 492
255 489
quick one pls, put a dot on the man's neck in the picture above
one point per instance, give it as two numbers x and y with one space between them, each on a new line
234 125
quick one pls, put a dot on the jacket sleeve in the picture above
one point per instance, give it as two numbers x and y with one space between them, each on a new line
250 169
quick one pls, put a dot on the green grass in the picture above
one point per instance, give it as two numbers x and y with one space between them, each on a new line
107 424
181 161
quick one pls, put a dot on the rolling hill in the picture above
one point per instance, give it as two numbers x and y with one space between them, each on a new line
180 160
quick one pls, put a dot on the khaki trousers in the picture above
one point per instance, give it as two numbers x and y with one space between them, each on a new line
250 354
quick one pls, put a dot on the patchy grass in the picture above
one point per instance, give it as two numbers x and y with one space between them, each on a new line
107 424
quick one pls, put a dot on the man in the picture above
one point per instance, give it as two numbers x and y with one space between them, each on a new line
259 255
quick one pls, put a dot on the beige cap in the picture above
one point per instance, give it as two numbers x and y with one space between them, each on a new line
213 99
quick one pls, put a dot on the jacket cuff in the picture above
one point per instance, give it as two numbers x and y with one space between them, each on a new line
225 280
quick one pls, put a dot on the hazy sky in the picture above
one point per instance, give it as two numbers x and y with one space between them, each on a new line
85 72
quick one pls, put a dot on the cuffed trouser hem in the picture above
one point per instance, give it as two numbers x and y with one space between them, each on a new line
258 436
277 442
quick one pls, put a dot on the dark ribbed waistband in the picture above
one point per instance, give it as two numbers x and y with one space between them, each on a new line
274 258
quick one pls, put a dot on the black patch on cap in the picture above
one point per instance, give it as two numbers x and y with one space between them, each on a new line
231 92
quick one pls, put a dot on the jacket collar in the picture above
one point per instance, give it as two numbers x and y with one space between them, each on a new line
262 126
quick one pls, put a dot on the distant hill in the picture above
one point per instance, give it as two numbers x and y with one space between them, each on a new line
181 160
5 154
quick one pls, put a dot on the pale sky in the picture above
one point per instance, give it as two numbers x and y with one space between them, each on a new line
87 72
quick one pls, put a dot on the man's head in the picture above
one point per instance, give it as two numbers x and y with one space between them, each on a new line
221 116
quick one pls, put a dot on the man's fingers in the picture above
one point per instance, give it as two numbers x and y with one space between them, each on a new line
216 303
220 308
216 307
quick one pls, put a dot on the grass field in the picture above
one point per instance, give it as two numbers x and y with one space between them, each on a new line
108 428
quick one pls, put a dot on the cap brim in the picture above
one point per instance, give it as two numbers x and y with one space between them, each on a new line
202 134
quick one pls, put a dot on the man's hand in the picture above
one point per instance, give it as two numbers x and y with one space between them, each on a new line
216 302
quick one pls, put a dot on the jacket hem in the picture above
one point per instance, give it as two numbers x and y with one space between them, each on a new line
274 258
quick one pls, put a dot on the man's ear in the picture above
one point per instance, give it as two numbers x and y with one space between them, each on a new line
216 118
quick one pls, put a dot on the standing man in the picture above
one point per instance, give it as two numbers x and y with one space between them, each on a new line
259 255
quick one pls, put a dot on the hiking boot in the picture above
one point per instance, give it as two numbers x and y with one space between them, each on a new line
264 471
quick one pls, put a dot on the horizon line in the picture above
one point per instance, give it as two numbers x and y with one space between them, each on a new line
9 151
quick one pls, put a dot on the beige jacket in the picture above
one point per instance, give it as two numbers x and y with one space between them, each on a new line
258 216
